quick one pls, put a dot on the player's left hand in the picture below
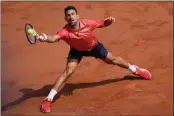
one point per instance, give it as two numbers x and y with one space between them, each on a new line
109 20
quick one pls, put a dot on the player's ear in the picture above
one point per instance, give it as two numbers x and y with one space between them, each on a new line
77 16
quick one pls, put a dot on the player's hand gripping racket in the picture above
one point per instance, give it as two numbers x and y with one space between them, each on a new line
31 34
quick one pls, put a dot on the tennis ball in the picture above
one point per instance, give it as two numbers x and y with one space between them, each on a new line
30 31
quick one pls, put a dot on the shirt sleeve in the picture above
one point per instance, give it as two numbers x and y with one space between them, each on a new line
96 23
62 33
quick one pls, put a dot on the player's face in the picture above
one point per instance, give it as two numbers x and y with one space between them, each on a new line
71 17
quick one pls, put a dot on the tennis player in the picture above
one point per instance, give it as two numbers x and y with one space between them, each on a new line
78 34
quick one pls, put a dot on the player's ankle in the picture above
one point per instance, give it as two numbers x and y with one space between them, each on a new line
51 95
132 68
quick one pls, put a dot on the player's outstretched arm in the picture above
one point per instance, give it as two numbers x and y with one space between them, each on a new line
48 38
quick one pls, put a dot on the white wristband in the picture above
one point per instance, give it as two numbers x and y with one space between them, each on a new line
43 37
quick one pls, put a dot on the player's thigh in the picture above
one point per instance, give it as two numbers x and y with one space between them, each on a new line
74 55
102 53
73 59
99 51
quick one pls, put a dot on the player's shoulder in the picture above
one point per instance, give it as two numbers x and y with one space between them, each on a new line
62 29
84 19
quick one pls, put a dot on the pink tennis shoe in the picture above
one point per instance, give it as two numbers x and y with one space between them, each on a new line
143 73
46 106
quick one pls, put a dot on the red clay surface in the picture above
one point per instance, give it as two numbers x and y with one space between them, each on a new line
142 35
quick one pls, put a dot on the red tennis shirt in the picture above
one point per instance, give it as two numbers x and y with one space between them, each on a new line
81 39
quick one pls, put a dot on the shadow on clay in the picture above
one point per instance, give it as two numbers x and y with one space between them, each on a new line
66 91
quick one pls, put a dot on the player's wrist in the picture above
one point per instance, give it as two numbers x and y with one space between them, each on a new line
43 37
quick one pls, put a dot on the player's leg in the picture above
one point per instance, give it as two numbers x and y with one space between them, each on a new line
101 52
110 59
73 60
69 70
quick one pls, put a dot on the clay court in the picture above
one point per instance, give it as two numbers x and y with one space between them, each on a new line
142 35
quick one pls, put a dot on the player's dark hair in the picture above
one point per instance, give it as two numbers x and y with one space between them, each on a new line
69 8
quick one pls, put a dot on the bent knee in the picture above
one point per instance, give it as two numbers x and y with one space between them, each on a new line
71 67
69 71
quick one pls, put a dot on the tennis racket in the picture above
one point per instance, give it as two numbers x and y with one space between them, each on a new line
32 38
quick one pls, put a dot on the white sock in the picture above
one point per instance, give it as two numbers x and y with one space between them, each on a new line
132 68
52 93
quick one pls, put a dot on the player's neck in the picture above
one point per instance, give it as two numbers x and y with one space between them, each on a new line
76 27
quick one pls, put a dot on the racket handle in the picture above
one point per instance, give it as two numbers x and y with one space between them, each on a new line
35 34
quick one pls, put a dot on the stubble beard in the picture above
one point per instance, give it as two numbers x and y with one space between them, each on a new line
72 25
